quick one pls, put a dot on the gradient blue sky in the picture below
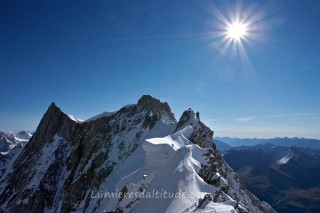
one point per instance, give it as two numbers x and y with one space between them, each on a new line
95 56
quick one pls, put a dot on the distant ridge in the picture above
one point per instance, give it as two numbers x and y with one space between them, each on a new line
285 141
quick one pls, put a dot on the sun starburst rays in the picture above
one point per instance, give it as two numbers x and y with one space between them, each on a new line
235 31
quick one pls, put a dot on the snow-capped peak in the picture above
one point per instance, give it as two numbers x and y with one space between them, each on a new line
139 149
287 158
9 140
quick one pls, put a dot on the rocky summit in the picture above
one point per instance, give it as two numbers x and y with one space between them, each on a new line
132 160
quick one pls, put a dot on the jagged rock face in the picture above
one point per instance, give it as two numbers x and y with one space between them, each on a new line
10 140
4 142
19 185
11 145
65 160
88 160
216 172
201 134
148 102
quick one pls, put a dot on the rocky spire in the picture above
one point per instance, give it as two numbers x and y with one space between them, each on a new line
187 117
202 135
53 121
147 102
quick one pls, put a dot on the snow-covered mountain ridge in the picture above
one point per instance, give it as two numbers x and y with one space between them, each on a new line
139 150
9 140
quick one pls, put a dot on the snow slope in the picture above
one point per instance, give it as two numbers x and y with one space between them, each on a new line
163 175
78 120
11 145
104 114
285 159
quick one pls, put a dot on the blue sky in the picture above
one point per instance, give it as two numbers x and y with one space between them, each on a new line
95 56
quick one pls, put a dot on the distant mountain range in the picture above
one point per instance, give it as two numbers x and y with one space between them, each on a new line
222 146
287 142
8 140
11 144
286 177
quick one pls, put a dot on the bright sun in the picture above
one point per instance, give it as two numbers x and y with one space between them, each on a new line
237 31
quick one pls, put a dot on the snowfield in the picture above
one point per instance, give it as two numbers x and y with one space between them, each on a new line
162 175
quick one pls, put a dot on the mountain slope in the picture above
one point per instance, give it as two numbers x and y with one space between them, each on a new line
11 139
286 177
222 146
71 166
